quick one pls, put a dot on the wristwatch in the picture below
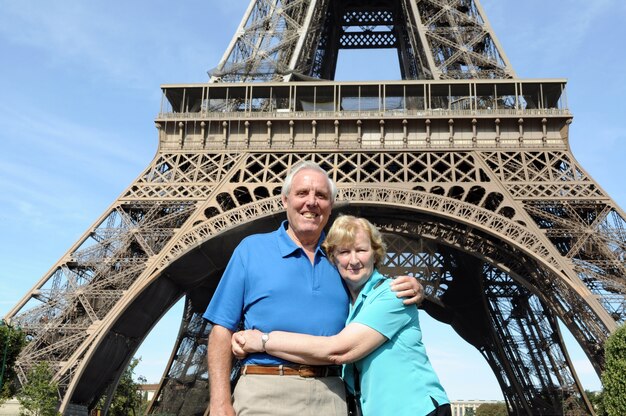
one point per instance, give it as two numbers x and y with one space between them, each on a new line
264 338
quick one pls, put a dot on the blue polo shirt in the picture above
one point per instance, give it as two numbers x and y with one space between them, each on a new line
271 283
397 377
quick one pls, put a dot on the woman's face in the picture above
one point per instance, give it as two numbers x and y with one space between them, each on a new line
355 262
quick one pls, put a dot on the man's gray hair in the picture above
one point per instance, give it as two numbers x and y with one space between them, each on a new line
308 165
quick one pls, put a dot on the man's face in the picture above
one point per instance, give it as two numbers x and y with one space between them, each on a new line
308 204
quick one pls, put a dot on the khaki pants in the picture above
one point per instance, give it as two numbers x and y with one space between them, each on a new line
260 395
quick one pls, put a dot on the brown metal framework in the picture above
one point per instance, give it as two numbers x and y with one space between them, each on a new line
472 180
300 39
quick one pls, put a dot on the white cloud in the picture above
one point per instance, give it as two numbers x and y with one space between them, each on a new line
43 131
126 43
55 171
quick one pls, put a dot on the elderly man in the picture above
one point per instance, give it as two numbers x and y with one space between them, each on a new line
283 281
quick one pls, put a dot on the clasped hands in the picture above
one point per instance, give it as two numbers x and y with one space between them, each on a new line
246 342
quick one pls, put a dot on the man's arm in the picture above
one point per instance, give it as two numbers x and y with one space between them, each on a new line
220 365
409 288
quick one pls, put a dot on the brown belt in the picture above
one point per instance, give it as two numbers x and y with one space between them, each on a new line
302 370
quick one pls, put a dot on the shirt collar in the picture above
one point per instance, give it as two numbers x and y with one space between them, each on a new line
287 246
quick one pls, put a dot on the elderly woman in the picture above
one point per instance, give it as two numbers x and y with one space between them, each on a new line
381 346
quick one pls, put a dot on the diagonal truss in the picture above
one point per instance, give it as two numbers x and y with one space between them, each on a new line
483 183
301 39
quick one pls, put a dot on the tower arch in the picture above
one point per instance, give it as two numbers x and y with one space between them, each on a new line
475 161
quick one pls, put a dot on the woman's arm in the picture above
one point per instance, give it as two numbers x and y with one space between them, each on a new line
355 341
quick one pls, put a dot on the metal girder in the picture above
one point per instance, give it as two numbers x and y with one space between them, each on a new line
473 181
435 39
495 311
482 185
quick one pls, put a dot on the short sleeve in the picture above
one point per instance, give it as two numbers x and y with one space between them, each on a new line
226 306
385 313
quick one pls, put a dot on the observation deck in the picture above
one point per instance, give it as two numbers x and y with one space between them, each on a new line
353 115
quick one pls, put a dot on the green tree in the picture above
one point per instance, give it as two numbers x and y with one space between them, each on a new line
12 341
127 399
614 375
469 412
39 396
492 409
597 401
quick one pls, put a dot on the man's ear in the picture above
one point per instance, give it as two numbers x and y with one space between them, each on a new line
283 198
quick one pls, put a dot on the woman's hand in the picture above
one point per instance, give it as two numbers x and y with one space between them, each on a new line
409 288
246 342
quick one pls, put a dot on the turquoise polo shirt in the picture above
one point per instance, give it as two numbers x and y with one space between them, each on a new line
271 283
396 378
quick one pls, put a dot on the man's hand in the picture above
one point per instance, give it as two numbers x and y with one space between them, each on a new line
222 410
409 288
237 343
246 342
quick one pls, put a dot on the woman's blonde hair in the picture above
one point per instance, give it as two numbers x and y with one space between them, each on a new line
343 233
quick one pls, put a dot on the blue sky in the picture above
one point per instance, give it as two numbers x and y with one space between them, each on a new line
79 89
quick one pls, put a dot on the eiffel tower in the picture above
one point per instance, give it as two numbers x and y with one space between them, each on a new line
465 167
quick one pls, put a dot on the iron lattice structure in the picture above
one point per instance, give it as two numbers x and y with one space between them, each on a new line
300 39
466 168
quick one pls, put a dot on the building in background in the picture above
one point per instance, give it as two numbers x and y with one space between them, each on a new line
147 391
10 408
460 407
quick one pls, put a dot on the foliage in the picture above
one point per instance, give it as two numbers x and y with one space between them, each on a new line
469 412
492 409
596 398
573 406
614 375
39 396
127 399
12 341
